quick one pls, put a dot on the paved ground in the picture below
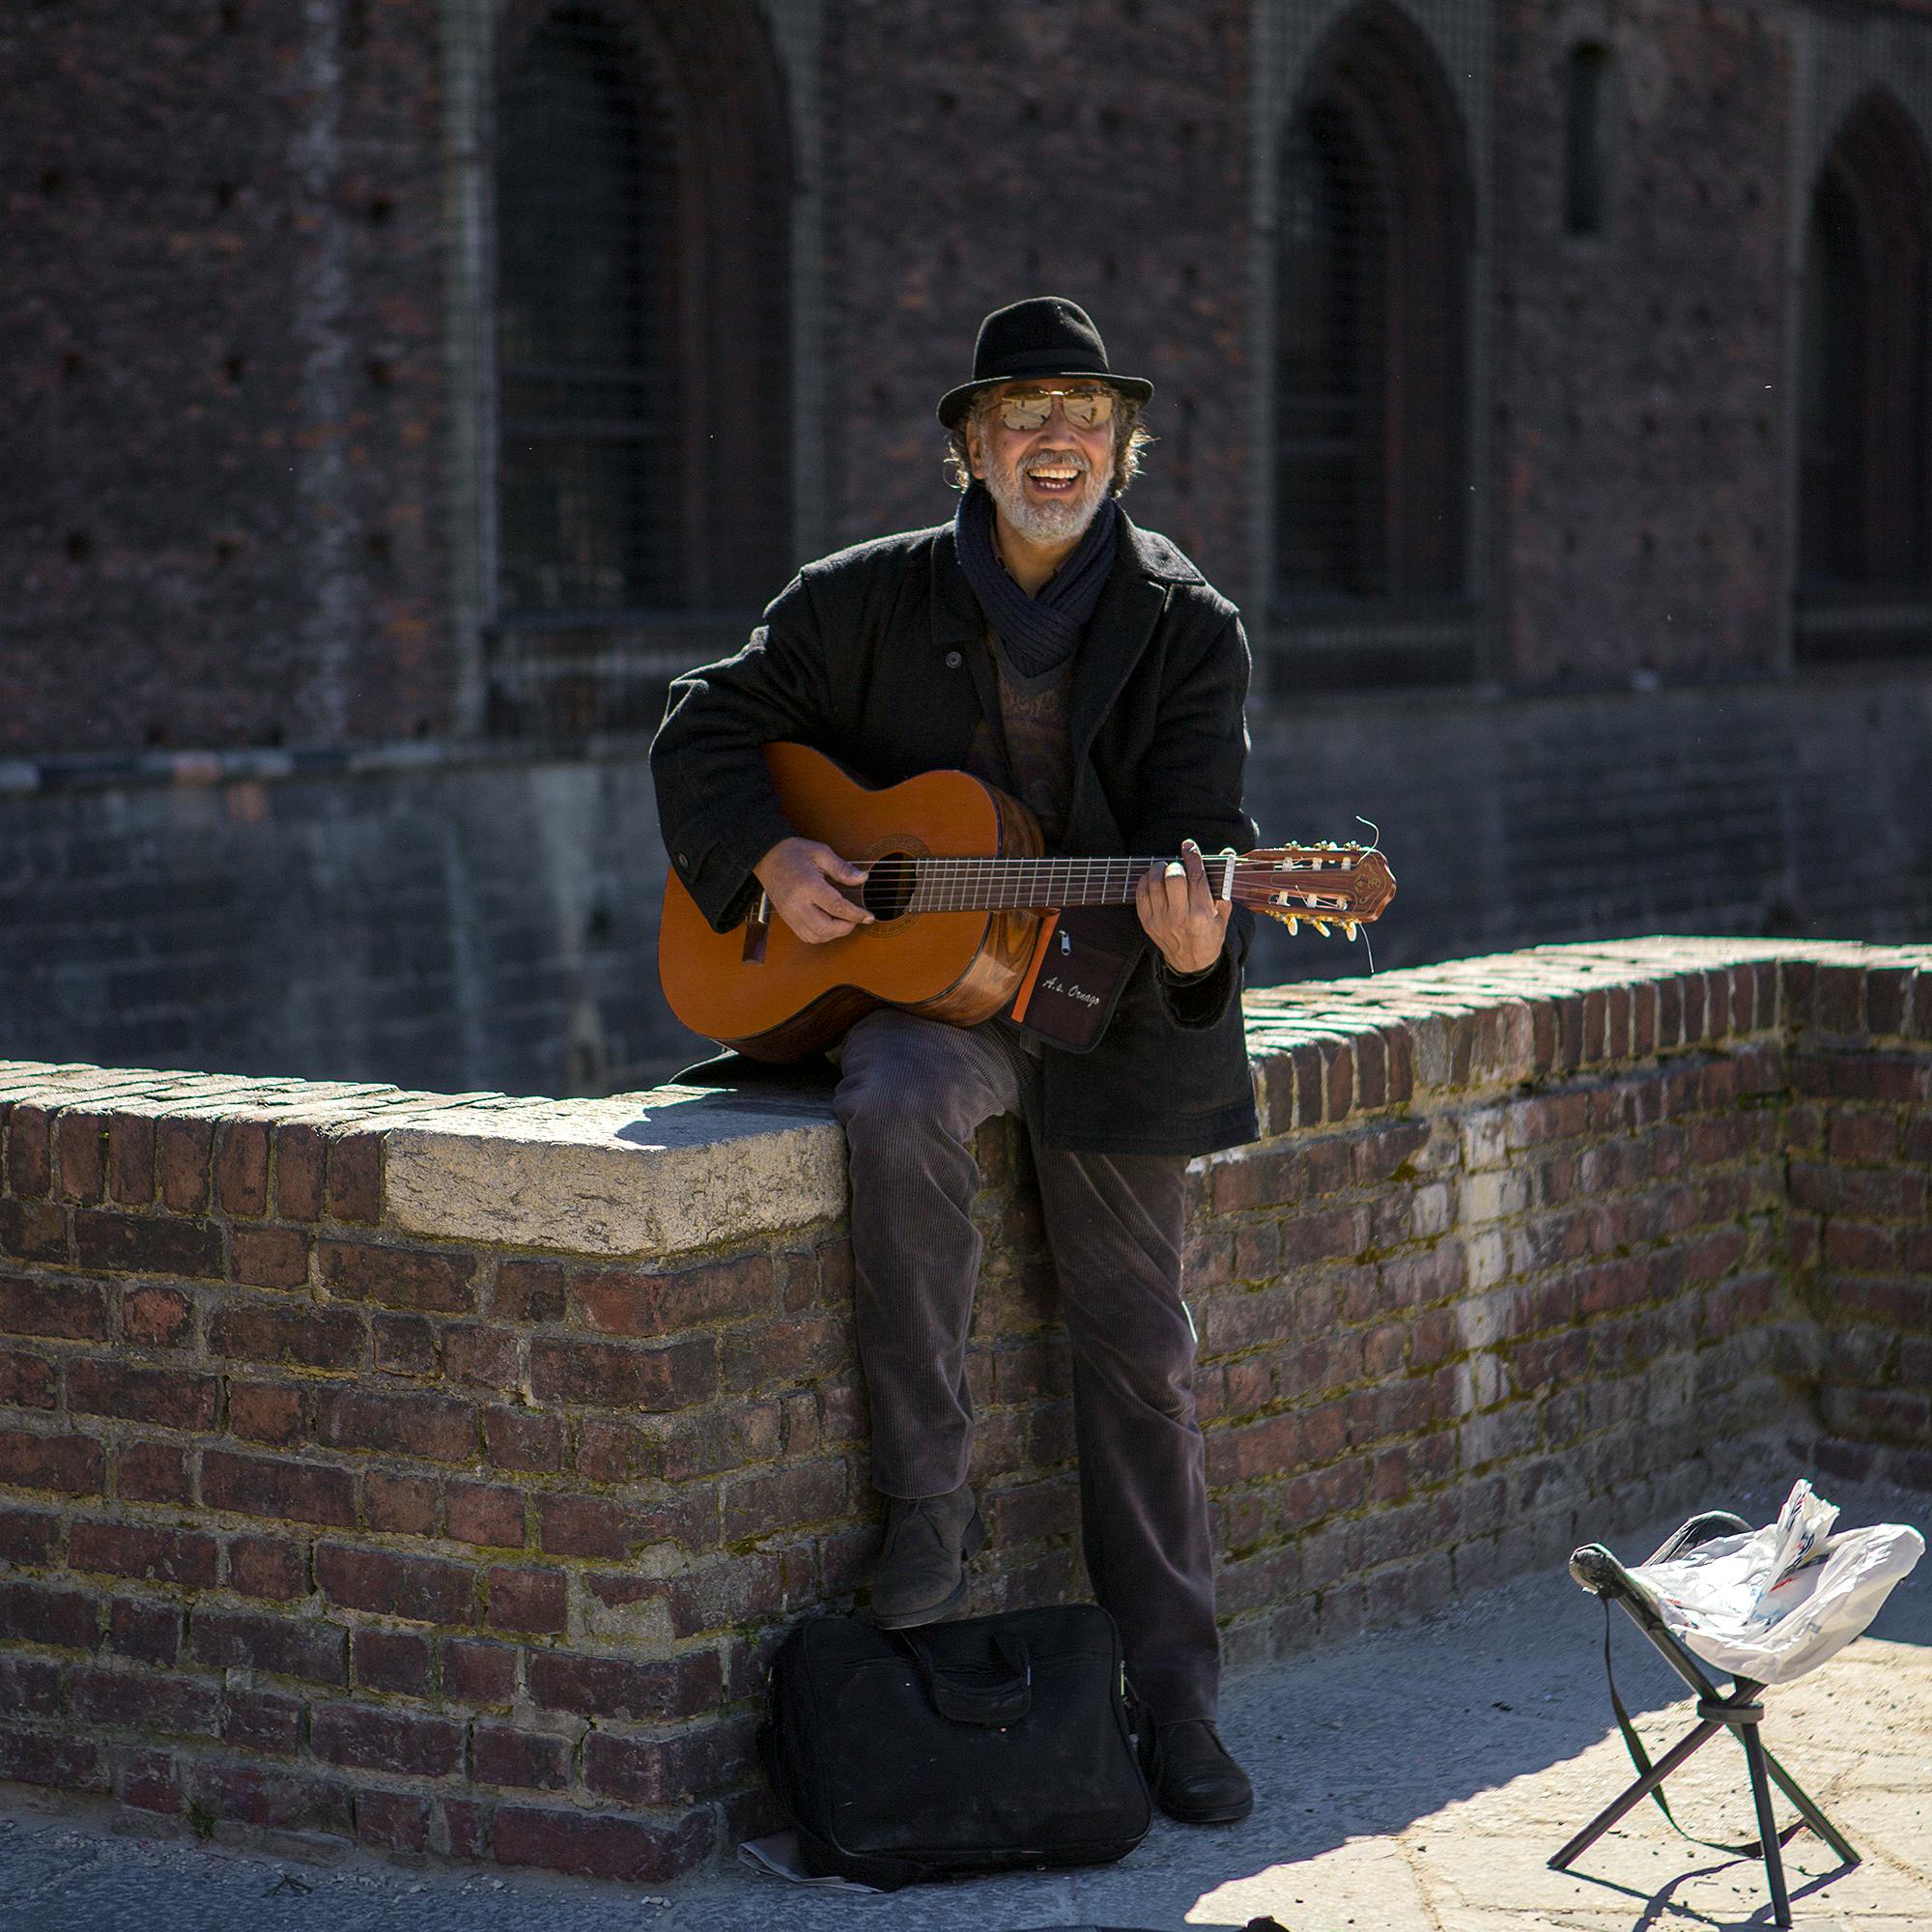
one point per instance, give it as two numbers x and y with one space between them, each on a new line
1411 1781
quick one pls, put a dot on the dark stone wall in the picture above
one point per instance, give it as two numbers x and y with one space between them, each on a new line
1642 451
221 304
459 922
978 154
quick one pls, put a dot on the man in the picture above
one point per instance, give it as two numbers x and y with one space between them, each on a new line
1044 642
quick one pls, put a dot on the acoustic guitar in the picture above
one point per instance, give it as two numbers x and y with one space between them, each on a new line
964 904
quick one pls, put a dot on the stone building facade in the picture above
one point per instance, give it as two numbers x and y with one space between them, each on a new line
402 392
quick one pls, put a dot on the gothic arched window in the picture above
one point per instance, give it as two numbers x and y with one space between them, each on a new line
643 436
1371 462
1864 544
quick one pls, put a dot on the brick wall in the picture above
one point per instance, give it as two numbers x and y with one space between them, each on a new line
336 1495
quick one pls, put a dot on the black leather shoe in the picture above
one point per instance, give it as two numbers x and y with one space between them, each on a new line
1192 1776
922 1574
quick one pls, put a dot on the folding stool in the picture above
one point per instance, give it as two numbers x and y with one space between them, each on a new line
1738 1709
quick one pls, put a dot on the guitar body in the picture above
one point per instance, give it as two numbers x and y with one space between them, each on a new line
764 991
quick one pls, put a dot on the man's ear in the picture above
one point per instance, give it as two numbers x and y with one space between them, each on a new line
976 457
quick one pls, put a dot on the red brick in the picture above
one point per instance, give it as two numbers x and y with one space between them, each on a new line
26 1381
270 1486
131 1159
433 1426
298 1163
422 1588
355 1177
517 1438
29 1687
611 1375
262 1721
403 1744
479 1357
612 1687
30 1166
290 1800
149 1632
36 1614
527 1600
390 1660
478 1673
670 1771
806 1492
270 1257
81 1154
266 1411
530 1760
406 1505
462 1826
252 1330
394 1821
486 1514
181 1149
271 1567
148 1781
28 1537
529 1291
159 1318
438 1281
146 1244
600 1844
405 1344
281 1646
73 1465
625 1303
31 1305
68 1764
34 1231
130 1700
241 1168
135 1550
169 1398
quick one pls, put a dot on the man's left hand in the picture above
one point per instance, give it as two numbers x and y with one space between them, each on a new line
1181 915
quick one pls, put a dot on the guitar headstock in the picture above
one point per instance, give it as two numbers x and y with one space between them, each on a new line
1326 885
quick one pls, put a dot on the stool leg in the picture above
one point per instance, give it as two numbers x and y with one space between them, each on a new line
1809 1811
1637 1794
1766 1825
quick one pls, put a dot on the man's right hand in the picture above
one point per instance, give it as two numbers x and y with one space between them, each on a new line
802 878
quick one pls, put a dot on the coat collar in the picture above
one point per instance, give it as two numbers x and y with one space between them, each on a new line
1144 568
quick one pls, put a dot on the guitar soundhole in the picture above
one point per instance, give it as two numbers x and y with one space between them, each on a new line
889 885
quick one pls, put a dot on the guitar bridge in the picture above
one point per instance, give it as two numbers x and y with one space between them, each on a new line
757 930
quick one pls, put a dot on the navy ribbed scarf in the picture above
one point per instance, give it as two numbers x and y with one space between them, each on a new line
1037 633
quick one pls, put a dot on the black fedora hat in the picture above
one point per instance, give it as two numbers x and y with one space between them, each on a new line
1044 336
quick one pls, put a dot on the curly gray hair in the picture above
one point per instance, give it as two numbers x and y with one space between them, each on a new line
1129 439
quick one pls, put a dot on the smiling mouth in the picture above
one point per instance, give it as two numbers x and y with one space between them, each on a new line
1054 479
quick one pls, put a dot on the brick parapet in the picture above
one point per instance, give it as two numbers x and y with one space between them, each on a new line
472 1541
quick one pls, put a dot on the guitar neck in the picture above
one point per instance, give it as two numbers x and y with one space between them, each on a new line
1040 885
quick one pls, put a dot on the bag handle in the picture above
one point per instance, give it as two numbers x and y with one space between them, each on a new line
977 1698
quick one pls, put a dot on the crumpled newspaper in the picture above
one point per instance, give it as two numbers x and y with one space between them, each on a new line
1776 1602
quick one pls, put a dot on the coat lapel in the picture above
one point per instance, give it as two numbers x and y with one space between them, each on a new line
958 624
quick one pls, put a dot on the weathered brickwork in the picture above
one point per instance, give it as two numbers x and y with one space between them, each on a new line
469 1547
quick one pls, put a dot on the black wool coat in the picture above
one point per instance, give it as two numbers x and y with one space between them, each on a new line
875 657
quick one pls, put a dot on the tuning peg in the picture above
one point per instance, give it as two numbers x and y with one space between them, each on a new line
1320 925
1293 923
1351 927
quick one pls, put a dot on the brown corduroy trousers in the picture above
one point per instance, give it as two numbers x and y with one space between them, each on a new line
911 1096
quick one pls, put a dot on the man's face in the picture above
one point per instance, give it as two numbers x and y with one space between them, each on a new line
1049 481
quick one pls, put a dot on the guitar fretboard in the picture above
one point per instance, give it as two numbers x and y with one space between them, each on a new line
972 884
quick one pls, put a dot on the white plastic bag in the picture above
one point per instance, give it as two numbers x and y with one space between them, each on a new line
1777 1602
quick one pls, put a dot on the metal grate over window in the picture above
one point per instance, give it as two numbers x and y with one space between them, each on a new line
1864 514
587 461
1371 365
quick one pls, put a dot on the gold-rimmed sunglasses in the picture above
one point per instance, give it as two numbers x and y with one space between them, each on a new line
1083 409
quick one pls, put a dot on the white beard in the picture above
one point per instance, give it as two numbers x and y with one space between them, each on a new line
1052 522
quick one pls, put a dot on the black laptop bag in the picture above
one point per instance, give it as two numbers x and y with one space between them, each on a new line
989 1745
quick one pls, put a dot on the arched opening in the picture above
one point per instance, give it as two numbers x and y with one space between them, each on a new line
1864 548
1371 458
1588 133
642 452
